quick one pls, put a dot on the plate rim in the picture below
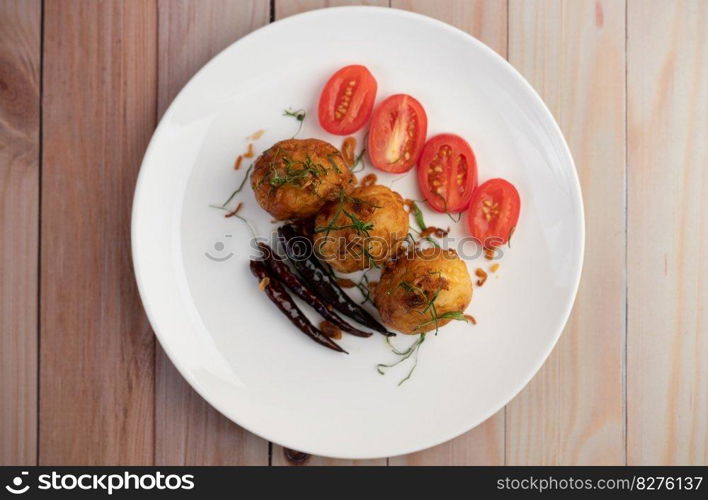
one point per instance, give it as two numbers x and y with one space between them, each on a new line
138 196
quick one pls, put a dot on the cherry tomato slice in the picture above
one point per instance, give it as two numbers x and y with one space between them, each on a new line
347 100
397 133
494 212
447 173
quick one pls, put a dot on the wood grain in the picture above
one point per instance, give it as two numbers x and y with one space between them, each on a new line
572 413
97 351
188 431
486 20
20 26
285 8
483 445
483 19
667 351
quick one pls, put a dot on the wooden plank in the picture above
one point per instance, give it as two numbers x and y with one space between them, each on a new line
285 8
20 27
572 412
487 21
97 351
188 430
667 345
483 445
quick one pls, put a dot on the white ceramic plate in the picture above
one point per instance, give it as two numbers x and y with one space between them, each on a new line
231 343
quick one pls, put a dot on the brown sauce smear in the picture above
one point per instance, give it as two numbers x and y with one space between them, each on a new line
235 211
482 275
434 231
330 330
263 284
490 253
256 135
368 180
348 148
345 283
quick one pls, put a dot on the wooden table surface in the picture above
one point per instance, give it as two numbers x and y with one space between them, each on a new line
82 86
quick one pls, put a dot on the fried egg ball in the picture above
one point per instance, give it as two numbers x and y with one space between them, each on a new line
420 286
296 177
362 229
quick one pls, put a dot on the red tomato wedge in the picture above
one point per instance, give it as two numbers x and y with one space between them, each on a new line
397 133
347 100
494 212
447 173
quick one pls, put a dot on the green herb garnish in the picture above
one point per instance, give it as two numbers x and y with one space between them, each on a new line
363 286
299 115
335 167
412 349
429 307
418 216
360 226
246 221
434 318
293 172
370 258
357 224
457 315
357 161
240 187
340 206
452 218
